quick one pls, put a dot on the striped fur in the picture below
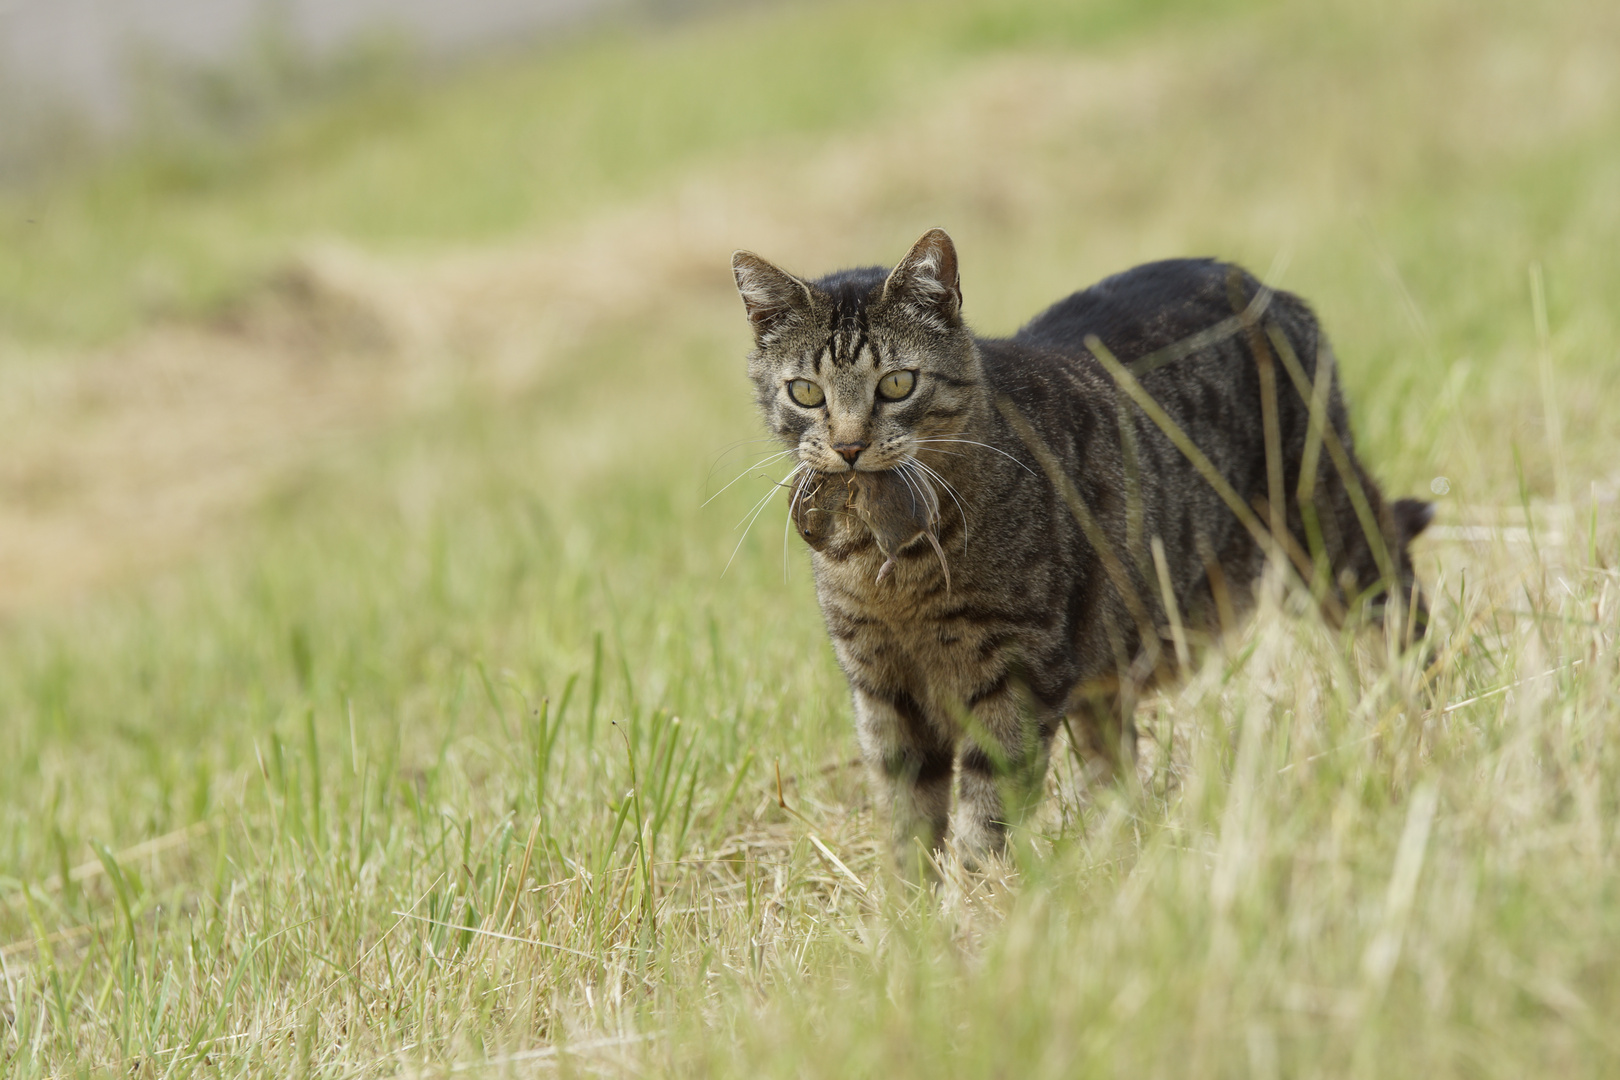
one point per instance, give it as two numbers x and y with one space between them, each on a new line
1052 484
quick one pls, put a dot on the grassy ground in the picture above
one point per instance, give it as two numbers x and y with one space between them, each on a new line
465 750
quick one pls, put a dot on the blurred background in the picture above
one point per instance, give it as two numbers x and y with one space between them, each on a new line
237 226
92 56
366 368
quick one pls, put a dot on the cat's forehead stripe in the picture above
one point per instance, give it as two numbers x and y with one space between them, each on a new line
846 347
847 331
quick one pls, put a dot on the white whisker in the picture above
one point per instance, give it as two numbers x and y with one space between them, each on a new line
904 468
772 459
748 514
793 507
951 491
759 507
907 478
987 446
786 525
946 484
729 447
774 484
727 450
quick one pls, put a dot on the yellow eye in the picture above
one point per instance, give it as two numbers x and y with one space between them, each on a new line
897 384
806 393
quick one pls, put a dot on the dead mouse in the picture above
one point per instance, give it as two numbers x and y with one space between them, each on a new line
898 509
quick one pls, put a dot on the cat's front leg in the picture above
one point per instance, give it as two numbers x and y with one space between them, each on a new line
911 760
1002 767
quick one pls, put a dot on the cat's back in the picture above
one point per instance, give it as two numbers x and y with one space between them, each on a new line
1144 309
1185 317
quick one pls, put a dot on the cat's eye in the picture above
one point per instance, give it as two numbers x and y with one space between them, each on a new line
896 385
806 393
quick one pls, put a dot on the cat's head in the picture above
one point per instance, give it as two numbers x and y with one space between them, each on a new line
859 369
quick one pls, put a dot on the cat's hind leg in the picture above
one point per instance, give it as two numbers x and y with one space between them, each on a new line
911 760
1102 724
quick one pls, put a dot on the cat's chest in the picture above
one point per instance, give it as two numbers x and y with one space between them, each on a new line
913 593
908 622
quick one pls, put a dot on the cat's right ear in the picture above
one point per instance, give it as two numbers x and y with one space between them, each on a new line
926 281
770 296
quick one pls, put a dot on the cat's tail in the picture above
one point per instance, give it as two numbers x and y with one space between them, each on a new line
1372 561
1410 518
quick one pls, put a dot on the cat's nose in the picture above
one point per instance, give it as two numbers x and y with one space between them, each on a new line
849 451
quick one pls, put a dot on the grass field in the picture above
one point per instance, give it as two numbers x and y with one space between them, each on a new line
460 735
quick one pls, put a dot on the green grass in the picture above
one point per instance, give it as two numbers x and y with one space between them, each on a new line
438 671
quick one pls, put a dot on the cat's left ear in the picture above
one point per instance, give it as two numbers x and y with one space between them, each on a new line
771 296
926 281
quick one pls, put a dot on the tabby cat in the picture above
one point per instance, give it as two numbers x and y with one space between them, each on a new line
1006 531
